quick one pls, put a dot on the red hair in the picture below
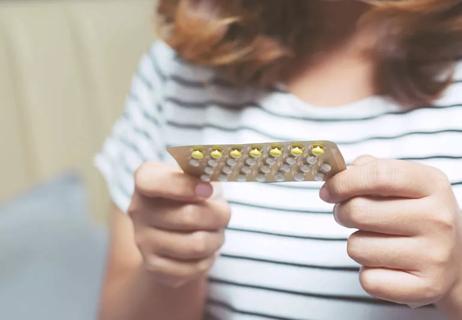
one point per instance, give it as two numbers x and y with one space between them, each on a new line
252 42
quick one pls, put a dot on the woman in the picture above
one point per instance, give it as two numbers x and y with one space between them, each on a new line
378 78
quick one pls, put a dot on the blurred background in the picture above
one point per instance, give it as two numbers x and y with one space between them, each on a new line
65 70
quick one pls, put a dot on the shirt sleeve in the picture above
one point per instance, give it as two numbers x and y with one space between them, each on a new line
136 136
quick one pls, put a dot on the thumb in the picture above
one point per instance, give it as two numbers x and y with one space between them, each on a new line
362 160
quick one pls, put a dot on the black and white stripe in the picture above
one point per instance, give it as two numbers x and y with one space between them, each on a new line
284 257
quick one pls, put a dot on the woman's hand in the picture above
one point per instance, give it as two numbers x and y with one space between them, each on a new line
409 241
178 229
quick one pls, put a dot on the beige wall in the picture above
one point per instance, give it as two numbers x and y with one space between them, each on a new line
65 69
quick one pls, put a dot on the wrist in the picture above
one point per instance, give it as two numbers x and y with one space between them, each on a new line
451 304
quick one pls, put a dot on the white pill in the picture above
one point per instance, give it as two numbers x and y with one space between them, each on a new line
305 168
194 163
242 178
223 178
319 176
265 169
205 178
271 161
311 160
300 176
231 162
227 170
280 176
212 162
251 161
285 168
291 161
260 178
246 170
209 170
326 168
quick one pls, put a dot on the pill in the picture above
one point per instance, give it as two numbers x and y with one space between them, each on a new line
275 152
260 178
326 168
194 163
241 178
285 168
265 169
246 170
197 155
279 176
311 160
223 178
305 168
235 154
291 161
317 151
231 162
296 151
216 154
319 177
212 162
205 178
299 176
227 170
251 161
255 153
270 161
209 170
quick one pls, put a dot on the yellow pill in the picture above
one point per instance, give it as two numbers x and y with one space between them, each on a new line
275 152
255 153
235 153
317 151
197 155
296 151
216 154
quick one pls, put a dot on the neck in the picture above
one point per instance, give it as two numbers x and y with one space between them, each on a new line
338 61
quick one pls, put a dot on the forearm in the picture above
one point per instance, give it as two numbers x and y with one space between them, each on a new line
136 295
451 305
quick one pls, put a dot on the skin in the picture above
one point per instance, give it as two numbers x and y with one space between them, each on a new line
409 238
161 252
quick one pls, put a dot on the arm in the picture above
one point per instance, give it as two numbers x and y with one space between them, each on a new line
129 291
159 256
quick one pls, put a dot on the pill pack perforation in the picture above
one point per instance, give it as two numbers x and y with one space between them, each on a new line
261 162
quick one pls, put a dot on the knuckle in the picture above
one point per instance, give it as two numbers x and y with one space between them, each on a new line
444 220
369 284
381 172
190 215
199 243
432 289
440 257
203 266
153 264
354 246
225 215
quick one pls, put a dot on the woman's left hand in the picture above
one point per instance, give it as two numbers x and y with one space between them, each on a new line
409 241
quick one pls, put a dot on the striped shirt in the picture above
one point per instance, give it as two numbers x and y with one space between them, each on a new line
284 257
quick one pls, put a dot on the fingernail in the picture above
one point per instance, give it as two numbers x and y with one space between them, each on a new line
204 190
324 193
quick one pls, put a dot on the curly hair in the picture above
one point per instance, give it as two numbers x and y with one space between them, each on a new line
252 42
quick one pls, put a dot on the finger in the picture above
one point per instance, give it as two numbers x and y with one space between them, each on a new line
378 250
389 216
160 181
170 215
362 160
396 286
385 178
181 246
173 271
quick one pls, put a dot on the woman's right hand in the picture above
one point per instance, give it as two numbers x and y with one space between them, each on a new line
178 228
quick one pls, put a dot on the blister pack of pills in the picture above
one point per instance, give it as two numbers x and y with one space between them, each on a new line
261 162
